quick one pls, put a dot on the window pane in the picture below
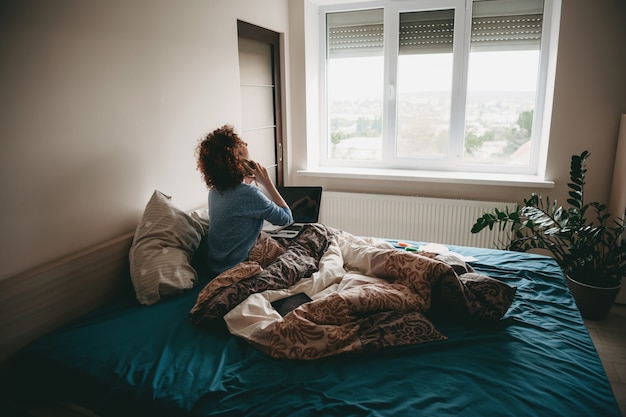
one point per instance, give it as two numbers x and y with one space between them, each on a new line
502 82
355 71
500 105
424 84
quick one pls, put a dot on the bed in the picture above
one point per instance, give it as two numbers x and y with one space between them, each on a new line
169 358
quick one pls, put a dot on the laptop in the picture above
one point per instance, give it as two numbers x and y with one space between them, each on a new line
304 202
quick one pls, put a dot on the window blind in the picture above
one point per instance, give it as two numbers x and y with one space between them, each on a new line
506 32
358 33
506 24
496 25
426 32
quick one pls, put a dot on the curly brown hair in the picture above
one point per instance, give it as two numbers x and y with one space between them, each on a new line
221 159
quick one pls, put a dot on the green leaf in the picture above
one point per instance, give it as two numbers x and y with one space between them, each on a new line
575 187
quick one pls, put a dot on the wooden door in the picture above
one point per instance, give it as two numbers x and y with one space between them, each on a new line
260 82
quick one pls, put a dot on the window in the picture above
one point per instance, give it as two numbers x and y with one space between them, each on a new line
449 85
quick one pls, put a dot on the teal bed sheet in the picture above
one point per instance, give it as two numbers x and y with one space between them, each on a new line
135 360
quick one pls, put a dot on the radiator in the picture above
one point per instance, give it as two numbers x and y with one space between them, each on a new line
437 220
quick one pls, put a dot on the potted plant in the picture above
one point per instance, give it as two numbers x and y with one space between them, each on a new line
588 245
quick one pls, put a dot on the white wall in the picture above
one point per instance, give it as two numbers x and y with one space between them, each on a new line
103 102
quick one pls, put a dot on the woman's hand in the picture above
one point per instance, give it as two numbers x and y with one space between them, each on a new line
262 177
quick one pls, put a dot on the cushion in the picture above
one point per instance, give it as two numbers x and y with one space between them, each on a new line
162 249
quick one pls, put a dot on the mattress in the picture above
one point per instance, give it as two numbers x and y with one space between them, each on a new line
127 359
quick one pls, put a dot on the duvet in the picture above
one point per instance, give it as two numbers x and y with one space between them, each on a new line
341 293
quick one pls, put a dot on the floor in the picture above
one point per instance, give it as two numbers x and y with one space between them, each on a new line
609 336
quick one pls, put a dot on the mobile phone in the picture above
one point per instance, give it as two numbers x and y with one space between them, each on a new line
250 164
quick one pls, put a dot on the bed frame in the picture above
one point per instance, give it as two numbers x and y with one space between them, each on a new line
35 302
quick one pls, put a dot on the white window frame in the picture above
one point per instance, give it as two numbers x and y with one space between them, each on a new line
319 164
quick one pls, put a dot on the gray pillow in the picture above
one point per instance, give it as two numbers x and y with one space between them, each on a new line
162 248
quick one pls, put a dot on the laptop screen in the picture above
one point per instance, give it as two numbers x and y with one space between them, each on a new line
304 202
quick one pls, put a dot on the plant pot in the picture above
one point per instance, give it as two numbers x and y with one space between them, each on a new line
594 303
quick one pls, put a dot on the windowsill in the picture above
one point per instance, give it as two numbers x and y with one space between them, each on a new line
503 180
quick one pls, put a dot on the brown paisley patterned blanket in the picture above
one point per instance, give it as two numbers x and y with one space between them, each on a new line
365 295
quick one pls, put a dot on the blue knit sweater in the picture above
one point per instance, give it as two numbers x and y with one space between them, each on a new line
236 219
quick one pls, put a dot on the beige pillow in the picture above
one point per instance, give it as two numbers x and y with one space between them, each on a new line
162 248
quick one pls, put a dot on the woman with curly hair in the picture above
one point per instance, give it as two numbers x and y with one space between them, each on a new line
237 207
